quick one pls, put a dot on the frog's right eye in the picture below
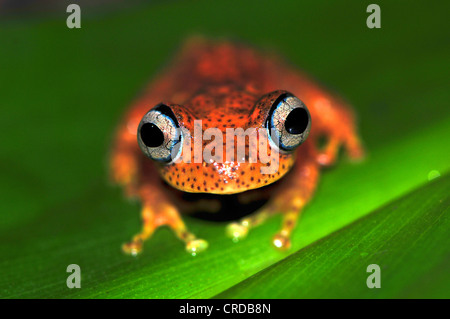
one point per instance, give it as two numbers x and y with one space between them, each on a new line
289 122
159 135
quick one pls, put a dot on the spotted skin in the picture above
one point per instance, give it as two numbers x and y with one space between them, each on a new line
229 85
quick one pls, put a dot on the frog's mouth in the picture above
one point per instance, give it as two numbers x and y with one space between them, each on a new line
224 207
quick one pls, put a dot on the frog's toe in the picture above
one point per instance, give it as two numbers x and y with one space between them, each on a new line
132 248
196 246
281 241
327 156
325 159
237 231
357 154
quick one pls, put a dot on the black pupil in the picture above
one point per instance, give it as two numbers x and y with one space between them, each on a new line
297 121
151 135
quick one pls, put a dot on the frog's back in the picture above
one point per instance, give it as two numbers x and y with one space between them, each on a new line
219 76
203 63
219 62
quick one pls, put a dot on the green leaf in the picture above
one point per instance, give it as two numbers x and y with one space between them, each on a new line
64 91
395 237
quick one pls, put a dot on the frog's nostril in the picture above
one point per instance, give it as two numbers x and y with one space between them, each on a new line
151 135
297 121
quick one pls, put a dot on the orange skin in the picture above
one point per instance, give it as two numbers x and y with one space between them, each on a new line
226 84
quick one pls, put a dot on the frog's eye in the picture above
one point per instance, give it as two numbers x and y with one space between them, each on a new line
288 122
159 135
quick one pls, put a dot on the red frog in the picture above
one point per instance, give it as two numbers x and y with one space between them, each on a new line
227 85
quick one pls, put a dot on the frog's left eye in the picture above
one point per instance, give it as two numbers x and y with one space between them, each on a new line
159 135
289 122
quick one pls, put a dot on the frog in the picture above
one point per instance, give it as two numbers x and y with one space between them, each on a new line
223 84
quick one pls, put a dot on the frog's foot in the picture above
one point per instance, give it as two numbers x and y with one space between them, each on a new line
354 148
289 204
168 216
282 240
239 230
289 201
327 156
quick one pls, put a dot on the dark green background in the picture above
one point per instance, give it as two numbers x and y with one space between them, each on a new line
62 93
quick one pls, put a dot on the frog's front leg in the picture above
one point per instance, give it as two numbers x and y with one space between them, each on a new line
288 200
124 161
336 122
158 210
